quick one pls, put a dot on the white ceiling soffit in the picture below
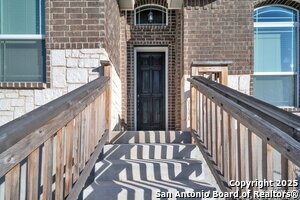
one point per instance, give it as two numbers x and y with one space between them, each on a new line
129 4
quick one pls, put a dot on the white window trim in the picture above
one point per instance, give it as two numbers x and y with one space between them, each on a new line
152 49
283 24
21 37
274 73
146 5
275 24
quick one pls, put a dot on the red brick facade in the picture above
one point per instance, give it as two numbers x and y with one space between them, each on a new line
151 36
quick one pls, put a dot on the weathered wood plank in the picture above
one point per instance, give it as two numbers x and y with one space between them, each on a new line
87 170
214 138
12 181
47 169
69 157
32 179
59 177
284 171
76 149
226 130
209 126
220 140
205 120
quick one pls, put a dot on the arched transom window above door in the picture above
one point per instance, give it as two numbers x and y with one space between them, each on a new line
151 14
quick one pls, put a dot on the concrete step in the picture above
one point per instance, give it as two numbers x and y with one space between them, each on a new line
151 169
133 137
151 151
146 190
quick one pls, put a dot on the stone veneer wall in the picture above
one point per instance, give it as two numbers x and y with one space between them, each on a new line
71 69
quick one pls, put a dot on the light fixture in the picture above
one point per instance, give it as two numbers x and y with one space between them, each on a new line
150 17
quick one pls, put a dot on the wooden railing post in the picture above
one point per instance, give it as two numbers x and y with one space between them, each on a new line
107 72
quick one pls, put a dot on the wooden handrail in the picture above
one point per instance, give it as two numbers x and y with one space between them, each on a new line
231 127
63 133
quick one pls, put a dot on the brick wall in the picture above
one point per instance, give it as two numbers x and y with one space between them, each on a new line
133 36
112 31
219 30
74 24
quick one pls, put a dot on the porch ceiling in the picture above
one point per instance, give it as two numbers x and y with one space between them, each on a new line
129 4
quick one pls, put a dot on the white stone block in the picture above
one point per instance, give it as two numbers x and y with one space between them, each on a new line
59 77
93 51
1 95
44 96
29 104
11 94
58 58
72 87
18 112
68 53
89 63
76 75
75 53
5 119
233 81
17 102
72 62
26 93
244 83
92 77
5 104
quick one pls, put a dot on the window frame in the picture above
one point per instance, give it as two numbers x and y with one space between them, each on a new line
30 37
283 25
151 5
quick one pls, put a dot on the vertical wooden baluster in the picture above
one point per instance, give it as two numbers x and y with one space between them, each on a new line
220 140
243 156
47 169
69 157
226 128
292 173
86 133
197 112
33 180
264 161
82 141
254 158
91 132
209 125
59 178
250 157
201 117
205 121
76 148
238 151
284 170
192 108
12 182
213 132
270 164
233 151
107 109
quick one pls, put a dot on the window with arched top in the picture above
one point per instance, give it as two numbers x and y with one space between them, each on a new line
276 62
151 15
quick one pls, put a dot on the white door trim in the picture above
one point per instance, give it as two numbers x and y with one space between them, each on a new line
151 49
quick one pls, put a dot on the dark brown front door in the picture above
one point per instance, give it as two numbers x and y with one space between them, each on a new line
151 91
